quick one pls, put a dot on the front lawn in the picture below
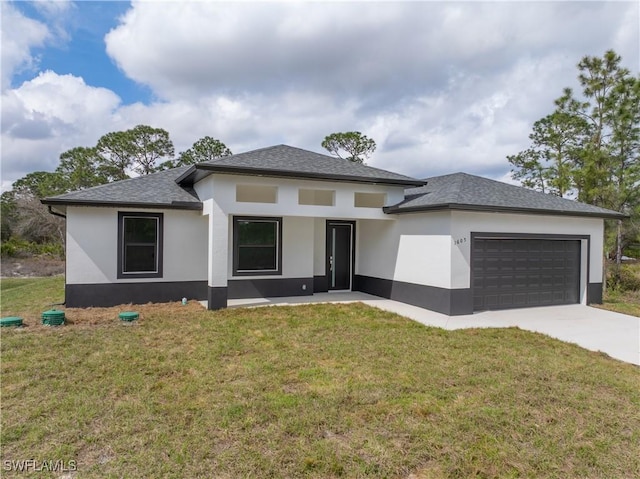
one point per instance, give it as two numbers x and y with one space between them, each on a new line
309 391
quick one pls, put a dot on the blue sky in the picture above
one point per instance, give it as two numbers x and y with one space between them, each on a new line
440 86
83 53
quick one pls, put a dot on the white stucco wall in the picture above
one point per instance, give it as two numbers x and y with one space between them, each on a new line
297 247
222 189
319 246
218 243
92 245
414 248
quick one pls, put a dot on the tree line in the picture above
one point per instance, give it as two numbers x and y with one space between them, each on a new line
139 150
588 147
27 224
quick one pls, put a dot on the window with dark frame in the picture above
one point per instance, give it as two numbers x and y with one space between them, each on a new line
257 246
140 245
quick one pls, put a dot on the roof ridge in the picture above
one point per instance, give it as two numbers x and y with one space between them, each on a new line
267 148
309 151
209 162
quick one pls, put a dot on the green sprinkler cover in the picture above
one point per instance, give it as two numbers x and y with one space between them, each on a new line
128 315
10 321
53 317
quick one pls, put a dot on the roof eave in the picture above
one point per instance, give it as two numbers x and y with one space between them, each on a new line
174 205
501 209
197 172
186 177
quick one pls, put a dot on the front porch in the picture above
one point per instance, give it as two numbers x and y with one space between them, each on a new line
282 237
316 298
288 256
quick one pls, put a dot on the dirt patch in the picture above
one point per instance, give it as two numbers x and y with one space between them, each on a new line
91 317
31 267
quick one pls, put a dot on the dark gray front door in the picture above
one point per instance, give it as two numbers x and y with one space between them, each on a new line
339 254
519 273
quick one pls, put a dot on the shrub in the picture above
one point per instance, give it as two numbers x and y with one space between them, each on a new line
13 247
16 247
633 251
626 279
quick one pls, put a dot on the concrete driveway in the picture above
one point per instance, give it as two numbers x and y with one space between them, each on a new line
615 334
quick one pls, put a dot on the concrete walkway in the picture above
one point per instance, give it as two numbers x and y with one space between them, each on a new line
615 334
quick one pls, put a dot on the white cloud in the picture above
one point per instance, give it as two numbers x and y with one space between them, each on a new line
441 87
56 13
382 52
66 98
19 34
53 8
48 115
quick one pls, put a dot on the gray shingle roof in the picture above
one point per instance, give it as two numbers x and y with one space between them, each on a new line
468 192
158 190
173 188
288 161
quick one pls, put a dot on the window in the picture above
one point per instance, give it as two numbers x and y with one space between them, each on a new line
257 246
256 194
316 197
140 245
369 200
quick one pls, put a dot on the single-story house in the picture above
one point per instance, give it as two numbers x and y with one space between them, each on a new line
282 221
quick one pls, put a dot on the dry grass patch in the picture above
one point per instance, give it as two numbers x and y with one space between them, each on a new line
31 266
627 302
625 296
311 391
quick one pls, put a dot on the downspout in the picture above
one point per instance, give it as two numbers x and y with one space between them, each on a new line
54 213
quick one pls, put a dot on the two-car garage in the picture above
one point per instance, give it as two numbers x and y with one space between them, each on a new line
519 272
463 244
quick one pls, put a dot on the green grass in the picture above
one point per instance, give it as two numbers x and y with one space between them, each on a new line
310 391
30 296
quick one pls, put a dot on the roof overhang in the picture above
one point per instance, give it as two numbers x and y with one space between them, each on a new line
202 170
175 205
501 209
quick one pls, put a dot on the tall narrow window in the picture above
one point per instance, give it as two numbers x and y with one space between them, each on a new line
140 245
257 246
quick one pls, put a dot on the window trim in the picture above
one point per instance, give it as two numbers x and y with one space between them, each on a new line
122 274
236 257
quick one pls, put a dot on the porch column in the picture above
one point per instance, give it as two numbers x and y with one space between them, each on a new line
218 249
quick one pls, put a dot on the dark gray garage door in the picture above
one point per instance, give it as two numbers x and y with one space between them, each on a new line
519 273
